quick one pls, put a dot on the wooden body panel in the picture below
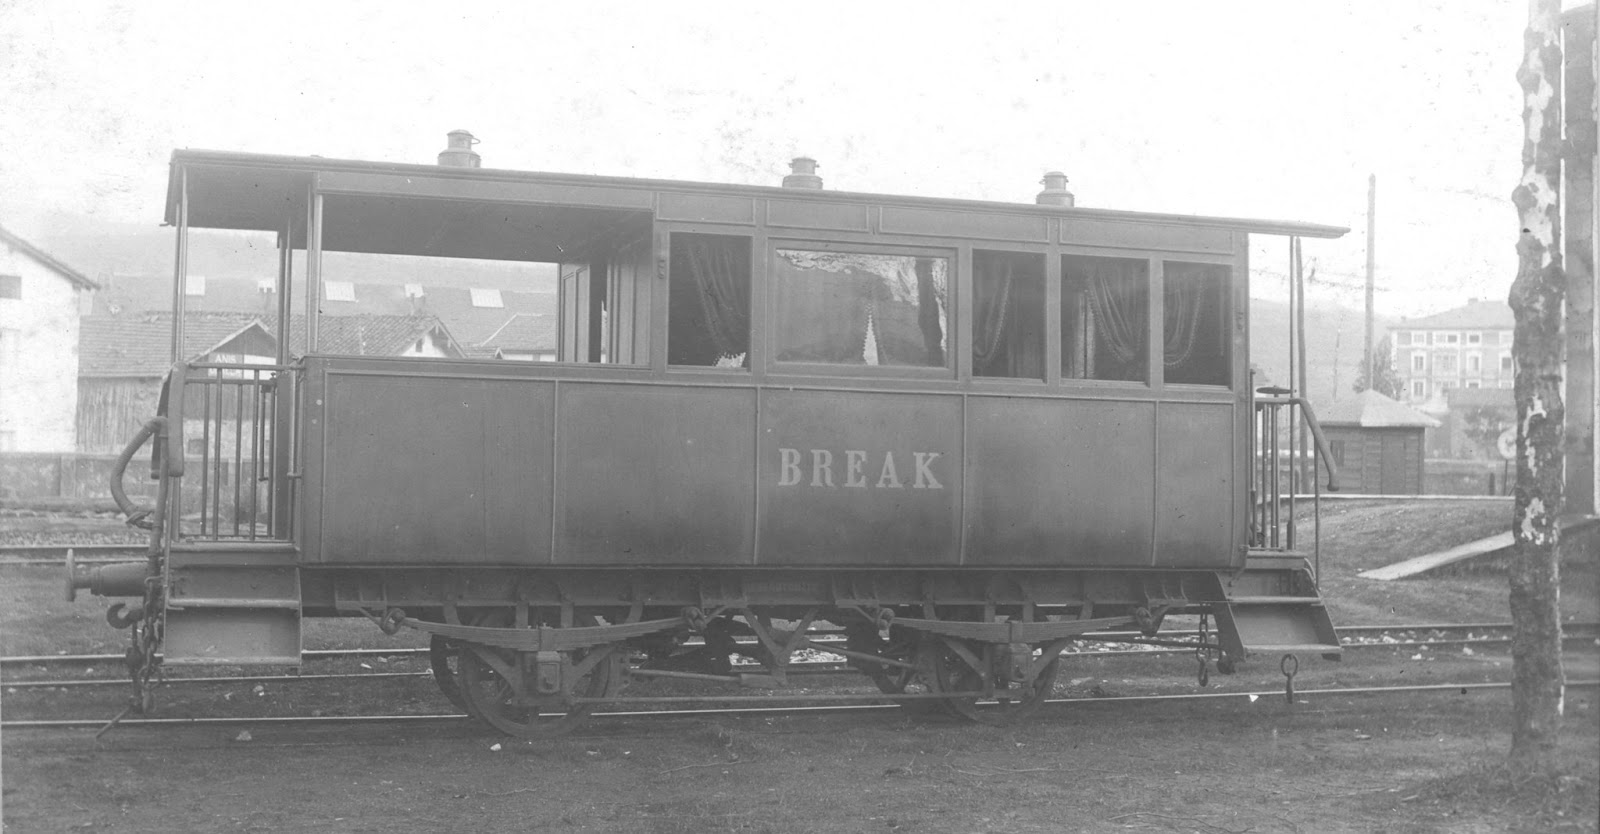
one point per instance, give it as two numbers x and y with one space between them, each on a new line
427 462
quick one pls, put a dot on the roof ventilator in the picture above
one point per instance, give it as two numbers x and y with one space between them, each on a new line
804 174
460 154
1055 191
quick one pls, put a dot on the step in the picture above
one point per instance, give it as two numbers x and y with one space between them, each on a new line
1298 625
232 606
232 637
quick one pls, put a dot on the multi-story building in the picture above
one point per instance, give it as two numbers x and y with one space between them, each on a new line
1468 347
41 299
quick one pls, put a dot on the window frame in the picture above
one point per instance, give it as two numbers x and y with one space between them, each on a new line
1228 320
1051 338
955 287
1153 260
663 298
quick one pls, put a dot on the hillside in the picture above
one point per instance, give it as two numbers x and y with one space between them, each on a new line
1333 346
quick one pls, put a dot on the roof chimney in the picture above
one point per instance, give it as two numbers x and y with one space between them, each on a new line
805 174
1055 191
460 153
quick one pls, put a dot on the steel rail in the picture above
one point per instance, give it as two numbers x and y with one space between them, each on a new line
1104 637
803 668
29 555
95 547
70 723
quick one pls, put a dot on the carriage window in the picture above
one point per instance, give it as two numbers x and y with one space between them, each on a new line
708 312
605 305
1008 315
1105 318
1196 323
857 308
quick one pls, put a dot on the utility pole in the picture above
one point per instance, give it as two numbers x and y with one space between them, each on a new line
1337 335
1372 261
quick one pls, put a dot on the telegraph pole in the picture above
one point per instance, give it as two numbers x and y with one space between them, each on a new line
1372 255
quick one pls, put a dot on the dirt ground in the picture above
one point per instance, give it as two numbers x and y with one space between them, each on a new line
1330 764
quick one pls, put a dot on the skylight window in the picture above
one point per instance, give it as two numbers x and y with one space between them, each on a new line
338 291
266 285
195 285
414 291
486 298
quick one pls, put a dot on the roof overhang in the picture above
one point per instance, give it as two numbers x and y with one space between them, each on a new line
375 206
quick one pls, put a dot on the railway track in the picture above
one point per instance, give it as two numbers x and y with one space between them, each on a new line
1359 638
1354 637
55 555
847 704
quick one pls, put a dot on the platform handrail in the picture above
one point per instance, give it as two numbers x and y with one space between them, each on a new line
1309 414
226 421
137 516
1273 527
176 378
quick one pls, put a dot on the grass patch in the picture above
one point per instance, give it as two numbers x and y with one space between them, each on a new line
1362 535
1561 795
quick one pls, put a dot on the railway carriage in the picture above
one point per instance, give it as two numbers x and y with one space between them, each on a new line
943 438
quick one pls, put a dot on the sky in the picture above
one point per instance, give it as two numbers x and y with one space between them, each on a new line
1252 109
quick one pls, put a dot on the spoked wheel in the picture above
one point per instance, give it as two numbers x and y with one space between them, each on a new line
949 672
486 676
894 680
444 655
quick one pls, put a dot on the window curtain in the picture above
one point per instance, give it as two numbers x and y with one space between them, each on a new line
1008 337
721 280
1182 290
825 316
1117 312
992 300
905 334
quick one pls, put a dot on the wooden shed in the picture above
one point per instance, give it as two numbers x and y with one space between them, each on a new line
1377 444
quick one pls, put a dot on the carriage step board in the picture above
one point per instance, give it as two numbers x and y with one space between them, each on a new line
1277 627
232 609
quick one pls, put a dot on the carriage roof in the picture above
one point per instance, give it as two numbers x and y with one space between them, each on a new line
376 208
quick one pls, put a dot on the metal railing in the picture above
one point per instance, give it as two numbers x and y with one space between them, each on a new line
1289 445
232 430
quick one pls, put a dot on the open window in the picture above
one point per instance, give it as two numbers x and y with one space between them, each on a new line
1198 347
861 308
1105 318
708 307
1008 332
412 276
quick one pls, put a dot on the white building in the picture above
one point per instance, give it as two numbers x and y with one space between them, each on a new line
40 302
1468 347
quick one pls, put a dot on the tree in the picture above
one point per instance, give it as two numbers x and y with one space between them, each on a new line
1536 299
1388 381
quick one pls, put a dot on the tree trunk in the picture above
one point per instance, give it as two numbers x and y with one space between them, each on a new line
1536 300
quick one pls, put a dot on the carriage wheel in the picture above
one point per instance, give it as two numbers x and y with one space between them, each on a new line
949 673
444 655
894 680
492 698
